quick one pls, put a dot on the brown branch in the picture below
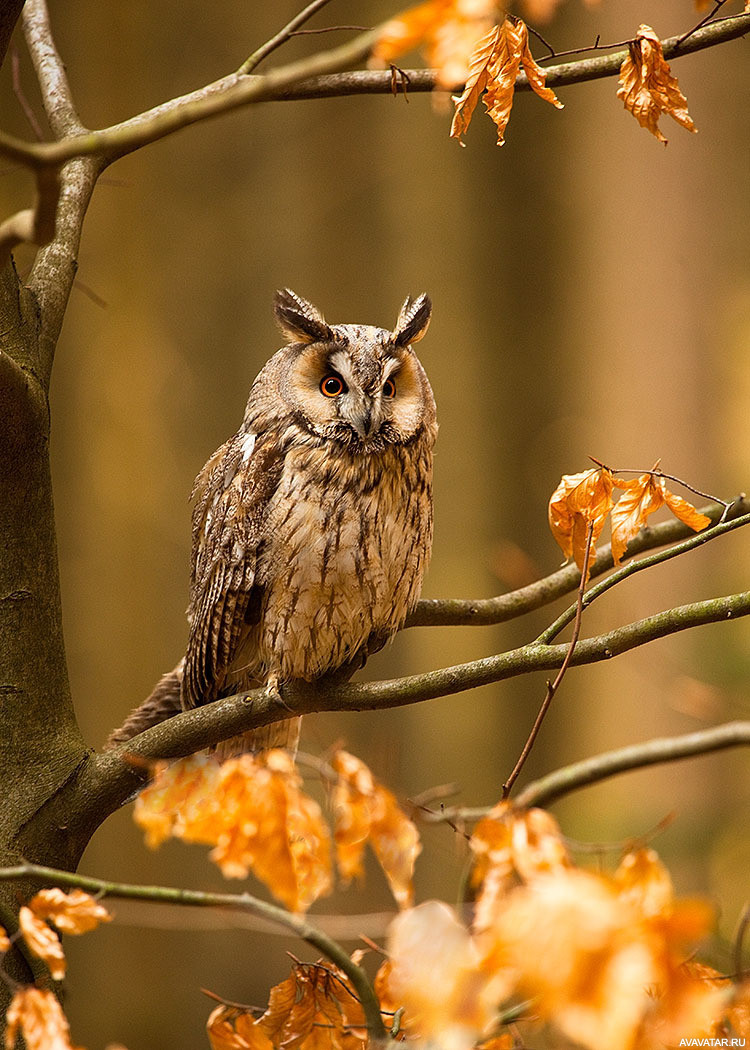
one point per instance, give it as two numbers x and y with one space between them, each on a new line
555 785
318 76
110 777
50 70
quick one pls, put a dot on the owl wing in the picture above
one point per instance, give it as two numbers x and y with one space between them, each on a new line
231 496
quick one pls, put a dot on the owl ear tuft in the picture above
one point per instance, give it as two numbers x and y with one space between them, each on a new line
298 319
413 320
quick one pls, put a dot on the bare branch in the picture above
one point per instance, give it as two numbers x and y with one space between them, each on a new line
318 76
110 778
555 785
236 901
50 71
33 225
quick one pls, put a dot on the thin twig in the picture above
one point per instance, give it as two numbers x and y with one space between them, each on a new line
552 687
18 91
240 902
655 472
281 37
739 937
329 29
718 4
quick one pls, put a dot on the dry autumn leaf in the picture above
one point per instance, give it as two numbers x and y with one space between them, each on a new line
434 974
648 89
38 1017
42 942
493 68
4 940
75 912
580 500
365 811
641 497
253 812
446 31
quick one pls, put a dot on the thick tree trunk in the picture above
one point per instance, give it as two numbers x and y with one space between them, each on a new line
41 746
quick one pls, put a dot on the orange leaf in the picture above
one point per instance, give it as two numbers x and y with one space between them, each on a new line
493 69
447 32
38 1016
578 501
686 512
74 912
43 942
643 496
476 81
364 811
643 881
254 813
434 975
230 1028
315 1008
647 87
409 30
4 940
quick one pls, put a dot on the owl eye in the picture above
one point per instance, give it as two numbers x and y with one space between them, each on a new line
332 385
389 388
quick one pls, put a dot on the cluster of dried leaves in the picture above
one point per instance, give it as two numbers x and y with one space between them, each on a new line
35 1013
253 811
602 958
584 501
467 46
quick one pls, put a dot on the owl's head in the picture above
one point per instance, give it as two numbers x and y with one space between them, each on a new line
354 383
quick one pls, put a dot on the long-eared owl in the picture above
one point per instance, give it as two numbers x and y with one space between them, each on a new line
312 525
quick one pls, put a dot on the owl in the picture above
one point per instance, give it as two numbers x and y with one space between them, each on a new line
312 525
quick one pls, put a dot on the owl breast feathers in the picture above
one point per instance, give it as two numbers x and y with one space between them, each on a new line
312 525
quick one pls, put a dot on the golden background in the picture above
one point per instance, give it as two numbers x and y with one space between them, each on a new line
591 295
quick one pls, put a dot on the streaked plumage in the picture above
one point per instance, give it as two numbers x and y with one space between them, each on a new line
312 525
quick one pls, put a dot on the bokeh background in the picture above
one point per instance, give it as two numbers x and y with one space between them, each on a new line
591 296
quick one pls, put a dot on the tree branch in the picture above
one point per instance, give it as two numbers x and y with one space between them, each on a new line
318 76
236 901
561 782
455 612
50 70
110 778
281 37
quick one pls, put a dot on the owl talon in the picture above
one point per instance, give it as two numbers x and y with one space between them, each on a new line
273 693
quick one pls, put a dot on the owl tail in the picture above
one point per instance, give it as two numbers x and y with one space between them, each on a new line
279 734
165 701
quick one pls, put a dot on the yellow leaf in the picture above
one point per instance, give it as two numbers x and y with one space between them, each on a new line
43 942
578 501
38 1016
74 912
364 811
648 89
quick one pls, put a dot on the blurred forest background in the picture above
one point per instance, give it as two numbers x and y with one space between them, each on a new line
591 295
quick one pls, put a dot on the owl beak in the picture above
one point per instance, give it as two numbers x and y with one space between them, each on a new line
362 421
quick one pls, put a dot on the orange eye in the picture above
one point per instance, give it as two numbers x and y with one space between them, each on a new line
389 388
332 385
